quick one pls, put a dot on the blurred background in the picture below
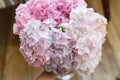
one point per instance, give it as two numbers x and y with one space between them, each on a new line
14 67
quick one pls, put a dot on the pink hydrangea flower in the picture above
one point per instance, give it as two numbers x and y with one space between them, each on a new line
88 29
63 36
43 9
35 42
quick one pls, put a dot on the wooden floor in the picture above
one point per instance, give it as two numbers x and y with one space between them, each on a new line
14 67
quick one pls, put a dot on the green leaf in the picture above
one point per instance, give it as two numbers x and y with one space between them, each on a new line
118 78
60 27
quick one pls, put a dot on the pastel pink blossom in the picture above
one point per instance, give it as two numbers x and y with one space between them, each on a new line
35 43
63 36
88 29
43 9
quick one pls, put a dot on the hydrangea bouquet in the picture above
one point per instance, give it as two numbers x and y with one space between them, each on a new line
63 36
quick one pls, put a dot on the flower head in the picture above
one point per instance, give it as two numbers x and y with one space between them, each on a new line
63 36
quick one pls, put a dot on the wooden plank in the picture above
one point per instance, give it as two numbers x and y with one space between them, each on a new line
5 16
8 3
106 8
96 4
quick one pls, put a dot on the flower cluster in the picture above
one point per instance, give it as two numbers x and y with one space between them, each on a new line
43 9
63 36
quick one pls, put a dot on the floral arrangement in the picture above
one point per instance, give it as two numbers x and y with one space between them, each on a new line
63 36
